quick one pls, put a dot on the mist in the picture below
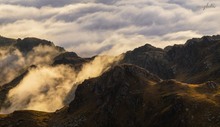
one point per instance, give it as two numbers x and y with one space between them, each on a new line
46 88
13 62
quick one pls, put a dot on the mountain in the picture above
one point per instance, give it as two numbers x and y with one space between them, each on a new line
151 58
196 61
27 44
149 86
72 59
127 95
16 55
25 119
6 41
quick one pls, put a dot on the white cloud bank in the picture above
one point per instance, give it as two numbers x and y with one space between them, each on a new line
92 27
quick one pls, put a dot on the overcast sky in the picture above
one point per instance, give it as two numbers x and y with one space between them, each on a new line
91 27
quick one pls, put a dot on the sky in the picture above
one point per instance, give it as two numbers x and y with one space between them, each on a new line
91 27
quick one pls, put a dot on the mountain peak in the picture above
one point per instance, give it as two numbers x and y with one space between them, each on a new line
205 40
192 62
6 41
27 44
70 58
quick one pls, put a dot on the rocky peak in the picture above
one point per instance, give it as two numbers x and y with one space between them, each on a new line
183 62
27 44
201 42
67 55
6 41
146 48
69 58
152 59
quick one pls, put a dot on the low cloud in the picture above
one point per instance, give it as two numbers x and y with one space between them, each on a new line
46 88
13 62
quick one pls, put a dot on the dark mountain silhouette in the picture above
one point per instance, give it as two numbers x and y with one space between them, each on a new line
27 44
151 58
177 86
197 61
70 58
6 41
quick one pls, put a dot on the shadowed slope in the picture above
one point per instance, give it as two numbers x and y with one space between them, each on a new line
130 96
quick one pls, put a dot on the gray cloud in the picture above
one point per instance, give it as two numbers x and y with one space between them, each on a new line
91 27
40 3
53 3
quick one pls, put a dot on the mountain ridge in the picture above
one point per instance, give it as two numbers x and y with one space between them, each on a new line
120 97
174 86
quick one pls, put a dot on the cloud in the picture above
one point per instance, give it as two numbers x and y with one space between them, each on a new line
40 3
13 62
47 88
90 23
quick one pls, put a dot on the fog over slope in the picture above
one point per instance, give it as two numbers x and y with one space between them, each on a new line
46 87
13 62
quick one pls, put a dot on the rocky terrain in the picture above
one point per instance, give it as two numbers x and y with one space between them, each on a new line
196 61
149 87
127 95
